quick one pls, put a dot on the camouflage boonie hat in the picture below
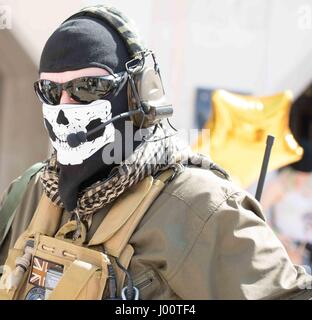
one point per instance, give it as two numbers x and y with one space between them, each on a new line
123 25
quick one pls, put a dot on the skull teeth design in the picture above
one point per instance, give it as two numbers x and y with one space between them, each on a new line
62 120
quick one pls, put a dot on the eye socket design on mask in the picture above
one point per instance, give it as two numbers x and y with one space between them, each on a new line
64 119
83 90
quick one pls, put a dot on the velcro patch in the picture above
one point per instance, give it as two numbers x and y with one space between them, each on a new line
45 273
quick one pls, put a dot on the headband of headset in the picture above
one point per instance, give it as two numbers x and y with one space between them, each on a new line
146 88
123 25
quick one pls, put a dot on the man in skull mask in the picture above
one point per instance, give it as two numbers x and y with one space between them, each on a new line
201 237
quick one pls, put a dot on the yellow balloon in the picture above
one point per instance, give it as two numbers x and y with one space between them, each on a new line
238 128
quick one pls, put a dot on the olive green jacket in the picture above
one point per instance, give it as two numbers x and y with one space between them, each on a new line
202 238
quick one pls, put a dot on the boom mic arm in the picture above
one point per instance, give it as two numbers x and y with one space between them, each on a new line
75 139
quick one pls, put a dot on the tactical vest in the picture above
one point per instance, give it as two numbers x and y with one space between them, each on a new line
46 264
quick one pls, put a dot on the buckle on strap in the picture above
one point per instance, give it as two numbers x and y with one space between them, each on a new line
135 292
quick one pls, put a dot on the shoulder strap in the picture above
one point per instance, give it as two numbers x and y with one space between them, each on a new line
119 224
8 210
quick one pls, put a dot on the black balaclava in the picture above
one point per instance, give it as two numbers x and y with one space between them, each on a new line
79 43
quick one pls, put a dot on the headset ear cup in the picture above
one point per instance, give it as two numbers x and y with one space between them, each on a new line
151 93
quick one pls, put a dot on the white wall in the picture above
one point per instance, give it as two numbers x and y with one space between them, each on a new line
289 46
256 46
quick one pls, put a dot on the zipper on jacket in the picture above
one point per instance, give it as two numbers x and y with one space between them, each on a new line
144 283
147 280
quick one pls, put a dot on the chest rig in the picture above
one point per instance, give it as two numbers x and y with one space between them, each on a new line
46 265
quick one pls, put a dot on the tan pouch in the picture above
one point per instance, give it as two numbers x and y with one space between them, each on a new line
62 270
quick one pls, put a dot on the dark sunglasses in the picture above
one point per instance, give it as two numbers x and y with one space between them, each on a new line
83 90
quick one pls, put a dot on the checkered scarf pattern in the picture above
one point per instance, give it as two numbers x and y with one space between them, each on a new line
150 158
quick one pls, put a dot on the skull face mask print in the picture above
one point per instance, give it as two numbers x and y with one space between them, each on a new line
64 119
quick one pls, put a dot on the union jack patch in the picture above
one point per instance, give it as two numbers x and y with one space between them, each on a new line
39 270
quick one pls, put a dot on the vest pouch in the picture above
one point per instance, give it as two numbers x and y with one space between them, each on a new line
61 270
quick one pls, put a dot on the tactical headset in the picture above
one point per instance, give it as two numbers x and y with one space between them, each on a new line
146 96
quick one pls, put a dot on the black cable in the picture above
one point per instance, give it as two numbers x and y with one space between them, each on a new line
162 138
112 283
172 127
130 290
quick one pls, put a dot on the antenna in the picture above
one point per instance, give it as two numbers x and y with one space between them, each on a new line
264 167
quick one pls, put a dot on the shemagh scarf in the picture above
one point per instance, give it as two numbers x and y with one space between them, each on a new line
157 153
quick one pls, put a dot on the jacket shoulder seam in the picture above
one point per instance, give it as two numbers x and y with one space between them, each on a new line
174 195
197 212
